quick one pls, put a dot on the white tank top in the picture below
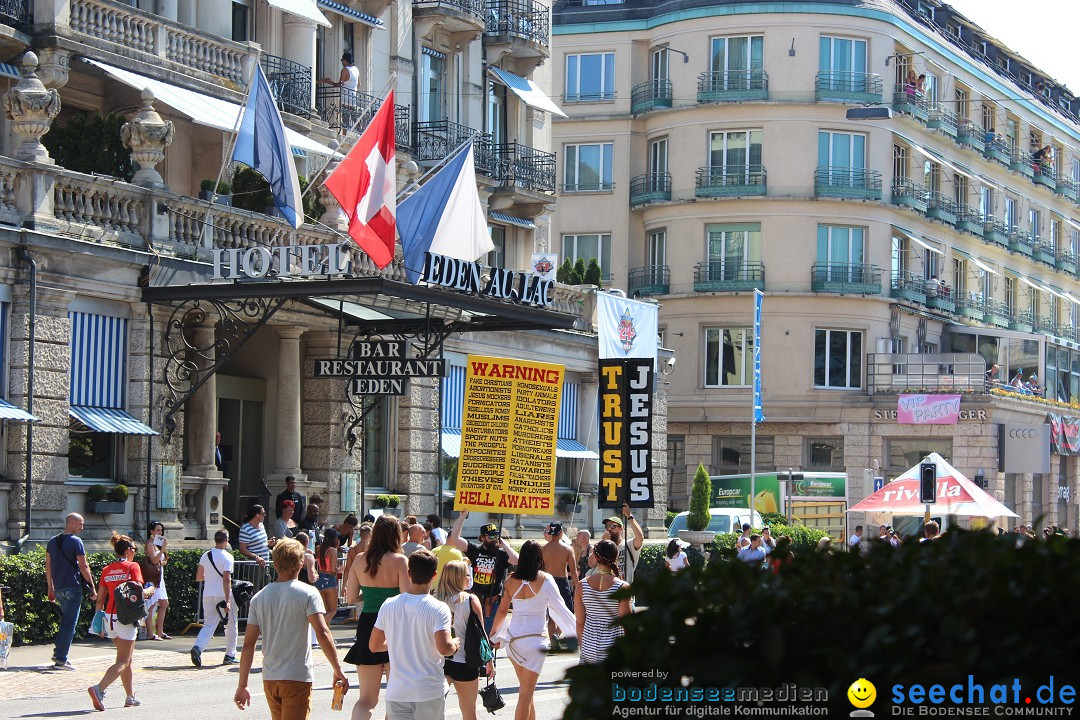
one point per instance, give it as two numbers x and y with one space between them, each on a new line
354 78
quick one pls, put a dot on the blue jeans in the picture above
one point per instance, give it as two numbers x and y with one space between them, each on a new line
490 606
70 600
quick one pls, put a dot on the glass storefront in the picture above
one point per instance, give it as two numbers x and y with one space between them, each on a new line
1062 373
1010 351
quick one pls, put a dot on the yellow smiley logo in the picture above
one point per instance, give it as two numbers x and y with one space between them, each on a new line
862 693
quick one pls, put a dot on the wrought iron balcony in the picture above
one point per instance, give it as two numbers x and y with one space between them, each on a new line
943 119
437 139
1023 163
908 286
1067 187
997 148
649 280
733 86
940 297
1065 260
1047 326
1045 176
970 305
847 182
526 20
650 188
725 276
996 313
340 108
1020 241
968 135
996 231
457 15
845 278
969 219
290 82
18 14
1022 320
730 181
910 194
1044 251
524 167
848 87
909 102
650 94
941 207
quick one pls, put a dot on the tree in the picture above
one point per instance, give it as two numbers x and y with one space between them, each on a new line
565 271
251 191
593 275
91 144
700 491
579 272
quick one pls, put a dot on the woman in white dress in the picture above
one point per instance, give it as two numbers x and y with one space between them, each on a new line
157 555
533 594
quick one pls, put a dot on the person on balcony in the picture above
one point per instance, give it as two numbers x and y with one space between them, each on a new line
349 81
910 84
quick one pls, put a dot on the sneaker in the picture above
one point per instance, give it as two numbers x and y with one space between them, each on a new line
196 657
132 701
97 697
63 665
230 660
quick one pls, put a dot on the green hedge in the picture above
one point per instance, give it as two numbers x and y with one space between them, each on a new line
651 561
803 539
36 620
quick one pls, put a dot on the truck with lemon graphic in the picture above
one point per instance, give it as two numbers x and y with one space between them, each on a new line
818 495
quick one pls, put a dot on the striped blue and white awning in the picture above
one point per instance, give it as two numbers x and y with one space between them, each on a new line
107 420
425 50
453 397
511 220
12 412
568 412
10 71
98 360
451 442
565 448
348 12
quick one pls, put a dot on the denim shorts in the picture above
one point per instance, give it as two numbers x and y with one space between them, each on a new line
326 581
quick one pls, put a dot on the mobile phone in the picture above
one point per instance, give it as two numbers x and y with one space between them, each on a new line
159 540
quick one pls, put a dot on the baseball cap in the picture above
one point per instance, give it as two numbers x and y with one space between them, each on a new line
554 528
614 519
491 529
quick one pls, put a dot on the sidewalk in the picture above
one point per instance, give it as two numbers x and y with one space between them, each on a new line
30 673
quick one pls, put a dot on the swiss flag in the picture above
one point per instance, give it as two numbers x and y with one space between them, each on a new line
365 184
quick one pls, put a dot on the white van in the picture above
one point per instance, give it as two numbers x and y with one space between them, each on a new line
721 520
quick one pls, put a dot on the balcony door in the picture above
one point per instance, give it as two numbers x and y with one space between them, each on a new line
432 67
729 250
658 66
737 61
496 116
843 62
658 165
844 155
734 155
656 252
840 251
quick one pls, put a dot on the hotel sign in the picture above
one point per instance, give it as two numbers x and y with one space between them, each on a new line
518 287
379 367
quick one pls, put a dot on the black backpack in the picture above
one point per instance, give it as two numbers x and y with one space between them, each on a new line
478 648
128 599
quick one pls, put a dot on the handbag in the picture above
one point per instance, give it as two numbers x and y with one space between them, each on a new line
151 572
242 590
7 634
492 698
97 625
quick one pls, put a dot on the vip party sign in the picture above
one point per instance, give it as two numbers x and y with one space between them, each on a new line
928 409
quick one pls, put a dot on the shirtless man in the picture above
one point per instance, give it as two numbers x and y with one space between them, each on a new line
559 561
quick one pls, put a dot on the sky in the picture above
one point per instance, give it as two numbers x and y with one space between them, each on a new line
1043 31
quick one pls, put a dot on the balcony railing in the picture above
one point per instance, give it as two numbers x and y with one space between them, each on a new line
1044 251
969 219
1020 241
733 86
968 135
730 181
996 313
655 93
524 167
649 280
941 207
906 100
1065 260
437 139
847 182
1023 163
845 278
940 297
290 82
725 276
340 108
970 305
898 372
650 188
908 286
997 148
19 14
848 87
471 8
1045 175
996 230
1022 320
1067 187
910 194
943 119
525 19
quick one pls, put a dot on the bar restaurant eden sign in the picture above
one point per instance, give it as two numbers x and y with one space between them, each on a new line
379 367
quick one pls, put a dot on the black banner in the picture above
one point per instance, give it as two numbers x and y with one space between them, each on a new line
1064 435
626 398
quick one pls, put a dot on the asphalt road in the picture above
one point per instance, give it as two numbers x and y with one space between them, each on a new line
171 689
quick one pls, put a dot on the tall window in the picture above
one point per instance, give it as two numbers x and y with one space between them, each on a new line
729 357
658 64
735 153
844 154
1034 222
496 117
838 359
962 101
959 275
841 249
377 442
587 247
844 62
497 256
900 251
432 66
658 165
900 159
736 61
730 249
986 202
240 26
989 113
588 167
960 188
590 77
656 250
731 455
1010 293
1011 219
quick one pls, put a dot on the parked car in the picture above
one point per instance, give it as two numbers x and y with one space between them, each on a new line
721 520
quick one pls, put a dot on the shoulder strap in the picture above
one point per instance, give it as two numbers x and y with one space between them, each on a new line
60 547
210 554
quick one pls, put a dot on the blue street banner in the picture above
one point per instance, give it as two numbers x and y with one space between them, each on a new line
759 414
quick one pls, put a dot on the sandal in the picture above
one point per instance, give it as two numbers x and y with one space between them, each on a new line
156 637
163 636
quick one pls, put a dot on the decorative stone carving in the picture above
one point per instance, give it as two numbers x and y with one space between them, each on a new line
31 109
147 136
54 65
540 238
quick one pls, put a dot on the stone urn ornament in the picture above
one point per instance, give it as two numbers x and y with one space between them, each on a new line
147 136
31 109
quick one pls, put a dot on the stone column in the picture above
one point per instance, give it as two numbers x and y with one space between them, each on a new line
287 420
201 412
299 45
147 136
31 109
325 407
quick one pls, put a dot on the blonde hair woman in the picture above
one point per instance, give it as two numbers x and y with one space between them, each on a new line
466 680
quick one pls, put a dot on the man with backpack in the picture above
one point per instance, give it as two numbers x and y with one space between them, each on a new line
66 574
215 571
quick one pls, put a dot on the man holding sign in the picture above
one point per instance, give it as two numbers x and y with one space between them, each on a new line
490 560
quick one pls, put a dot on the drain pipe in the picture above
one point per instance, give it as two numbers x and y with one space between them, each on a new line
24 254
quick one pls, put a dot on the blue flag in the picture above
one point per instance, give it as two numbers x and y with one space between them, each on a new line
261 145
759 413
444 216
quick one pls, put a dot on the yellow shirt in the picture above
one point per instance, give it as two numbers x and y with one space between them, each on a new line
444 554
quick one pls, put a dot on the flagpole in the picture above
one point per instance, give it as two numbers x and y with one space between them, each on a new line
232 144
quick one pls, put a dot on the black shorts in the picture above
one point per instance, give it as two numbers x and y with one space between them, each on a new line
460 671
359 654
566 590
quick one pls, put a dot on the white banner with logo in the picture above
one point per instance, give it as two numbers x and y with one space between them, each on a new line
627 328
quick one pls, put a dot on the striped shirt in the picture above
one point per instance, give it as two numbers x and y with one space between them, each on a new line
255 538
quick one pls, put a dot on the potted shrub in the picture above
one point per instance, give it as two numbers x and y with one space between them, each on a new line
223 196
569 503
698 518
106 502
392 501
382 501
